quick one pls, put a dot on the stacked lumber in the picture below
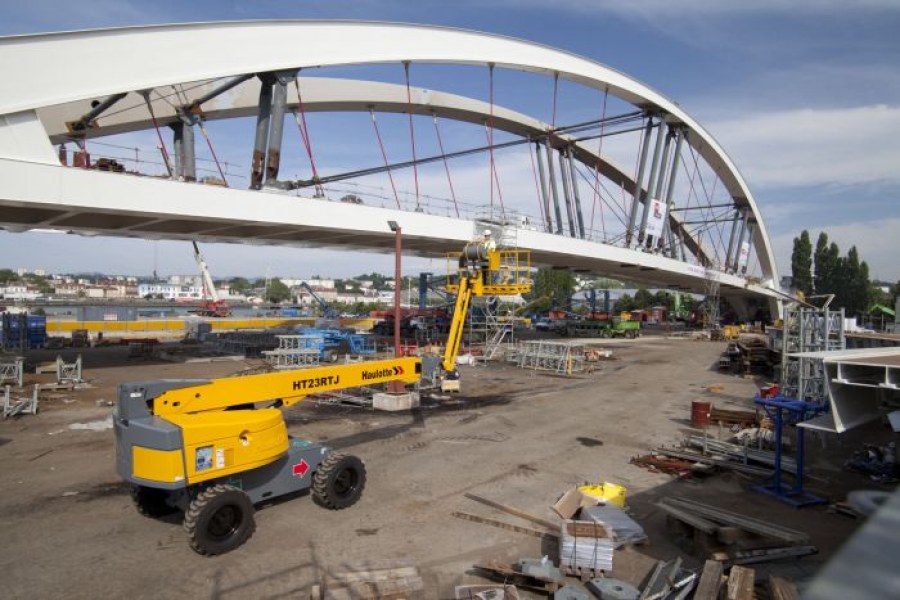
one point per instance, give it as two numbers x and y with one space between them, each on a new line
734 538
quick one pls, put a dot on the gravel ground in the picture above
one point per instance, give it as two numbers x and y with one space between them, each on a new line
518 437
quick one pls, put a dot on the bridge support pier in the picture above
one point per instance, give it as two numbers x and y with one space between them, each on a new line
262 130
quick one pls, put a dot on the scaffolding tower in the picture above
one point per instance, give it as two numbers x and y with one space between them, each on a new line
808 330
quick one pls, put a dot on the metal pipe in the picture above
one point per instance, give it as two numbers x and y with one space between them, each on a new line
78 127
262 130
566 184
654 170
575 194
194 107
548 225
276 129
397 386
553 191
639 181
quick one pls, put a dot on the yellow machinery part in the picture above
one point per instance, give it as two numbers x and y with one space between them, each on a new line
219 443
288 386
610 492
157 465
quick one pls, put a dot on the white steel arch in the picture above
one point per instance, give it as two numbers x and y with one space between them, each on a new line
32 78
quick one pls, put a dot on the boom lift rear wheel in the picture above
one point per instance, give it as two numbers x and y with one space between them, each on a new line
219 520
339 481
151 502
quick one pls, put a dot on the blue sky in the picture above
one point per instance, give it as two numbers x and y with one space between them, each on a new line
803 96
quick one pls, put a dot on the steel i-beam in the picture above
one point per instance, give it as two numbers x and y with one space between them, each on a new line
575 195
553 190
639 181
654 171
676 159
262 130
567 193
548 225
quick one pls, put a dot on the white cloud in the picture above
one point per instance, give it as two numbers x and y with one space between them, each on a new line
844 146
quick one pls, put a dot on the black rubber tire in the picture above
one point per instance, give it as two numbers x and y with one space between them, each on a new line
630 334
151 502
605 333
219 520
339 481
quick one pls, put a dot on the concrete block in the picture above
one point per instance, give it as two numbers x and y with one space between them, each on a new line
395 402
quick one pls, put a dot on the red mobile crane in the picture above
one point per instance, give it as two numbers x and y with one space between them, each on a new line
211 306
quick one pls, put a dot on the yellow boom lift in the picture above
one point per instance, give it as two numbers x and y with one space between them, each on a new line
215 448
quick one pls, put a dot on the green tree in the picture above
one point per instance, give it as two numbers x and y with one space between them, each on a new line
7 275
643 299
625 303
823 268
801 264
239 284
552 289
276 291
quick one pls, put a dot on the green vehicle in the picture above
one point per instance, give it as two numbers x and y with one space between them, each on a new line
607 328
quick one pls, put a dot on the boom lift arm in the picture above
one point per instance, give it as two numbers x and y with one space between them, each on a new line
482 270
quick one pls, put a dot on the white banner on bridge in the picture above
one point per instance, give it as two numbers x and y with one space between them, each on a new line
657 218
745 255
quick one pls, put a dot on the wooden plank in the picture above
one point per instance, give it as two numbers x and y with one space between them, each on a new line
369 575
740 584
738 520
695 521
781 588
710 581
509 574
590 529
507 526
513 511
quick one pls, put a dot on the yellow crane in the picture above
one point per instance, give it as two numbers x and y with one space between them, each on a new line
215 448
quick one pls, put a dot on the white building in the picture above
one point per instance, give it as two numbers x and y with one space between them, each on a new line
168 291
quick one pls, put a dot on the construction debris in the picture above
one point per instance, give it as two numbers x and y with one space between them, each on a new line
13 405
733 538
374 580
740 584
513 574
561 358
12 370
68 372
625 530
613 589
585 546
491 592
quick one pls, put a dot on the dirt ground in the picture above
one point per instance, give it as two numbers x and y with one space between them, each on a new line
522 438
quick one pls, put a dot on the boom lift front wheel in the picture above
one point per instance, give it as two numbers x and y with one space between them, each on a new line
219 520
339 481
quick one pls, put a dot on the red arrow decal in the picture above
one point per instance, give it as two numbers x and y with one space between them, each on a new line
301 468
398 370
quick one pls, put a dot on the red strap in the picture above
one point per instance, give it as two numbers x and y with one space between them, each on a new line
437 131
384 156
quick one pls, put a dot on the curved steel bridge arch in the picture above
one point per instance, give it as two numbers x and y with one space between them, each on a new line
228 49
